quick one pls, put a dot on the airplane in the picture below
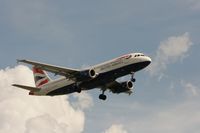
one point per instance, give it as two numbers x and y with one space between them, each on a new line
103 76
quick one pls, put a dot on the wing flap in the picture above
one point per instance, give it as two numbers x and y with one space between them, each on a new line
32 89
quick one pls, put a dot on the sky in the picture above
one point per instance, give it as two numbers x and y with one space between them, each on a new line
78 34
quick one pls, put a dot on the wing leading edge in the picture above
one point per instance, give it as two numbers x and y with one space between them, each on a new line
67 72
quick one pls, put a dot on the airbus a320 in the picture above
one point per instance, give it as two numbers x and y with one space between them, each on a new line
103 76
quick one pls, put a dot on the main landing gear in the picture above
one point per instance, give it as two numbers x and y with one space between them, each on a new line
102 96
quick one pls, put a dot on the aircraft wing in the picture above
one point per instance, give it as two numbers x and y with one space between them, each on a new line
67 72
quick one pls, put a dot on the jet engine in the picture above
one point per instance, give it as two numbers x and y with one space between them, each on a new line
128 85
124 87
87 75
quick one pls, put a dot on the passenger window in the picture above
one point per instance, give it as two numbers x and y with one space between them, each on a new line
137 55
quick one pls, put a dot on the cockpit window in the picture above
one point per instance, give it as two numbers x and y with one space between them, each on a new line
137 55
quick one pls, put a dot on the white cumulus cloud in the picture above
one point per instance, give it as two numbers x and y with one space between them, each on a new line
84 100
171 50
30 114
116 128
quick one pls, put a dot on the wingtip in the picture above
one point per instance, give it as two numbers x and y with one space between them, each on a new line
20 60
15 85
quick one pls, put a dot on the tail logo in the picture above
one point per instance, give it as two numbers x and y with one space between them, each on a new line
40 77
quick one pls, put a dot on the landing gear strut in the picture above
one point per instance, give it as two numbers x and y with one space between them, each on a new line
102 96
132 77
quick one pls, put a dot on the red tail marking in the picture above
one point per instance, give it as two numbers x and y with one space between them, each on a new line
37 70
43 82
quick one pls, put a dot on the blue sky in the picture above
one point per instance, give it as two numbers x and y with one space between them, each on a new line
81 33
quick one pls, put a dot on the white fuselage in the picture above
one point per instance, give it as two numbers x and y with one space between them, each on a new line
121 62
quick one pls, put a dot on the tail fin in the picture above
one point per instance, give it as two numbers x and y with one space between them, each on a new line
41 78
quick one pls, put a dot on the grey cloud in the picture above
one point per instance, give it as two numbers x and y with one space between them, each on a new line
190 89
179 113
192 4
178 118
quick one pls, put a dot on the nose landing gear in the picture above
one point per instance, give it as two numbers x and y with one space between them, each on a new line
102 97
132 77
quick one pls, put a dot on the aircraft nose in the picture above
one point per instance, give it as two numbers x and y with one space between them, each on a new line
148 60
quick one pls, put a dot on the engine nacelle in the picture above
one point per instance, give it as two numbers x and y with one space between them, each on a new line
128 85
87 75
125 87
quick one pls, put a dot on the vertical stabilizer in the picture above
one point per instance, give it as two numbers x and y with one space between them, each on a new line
41 78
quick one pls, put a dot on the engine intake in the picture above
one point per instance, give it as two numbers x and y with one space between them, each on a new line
92 73
87 75
128 85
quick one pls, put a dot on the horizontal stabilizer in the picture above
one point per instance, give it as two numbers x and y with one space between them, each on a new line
33 89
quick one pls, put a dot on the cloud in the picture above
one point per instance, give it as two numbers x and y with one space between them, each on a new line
178 118
180 115
84 100
116 128
23 113
190 89
44 124
193 4
171 50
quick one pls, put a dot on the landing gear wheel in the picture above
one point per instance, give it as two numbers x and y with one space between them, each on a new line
133 79
102 97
